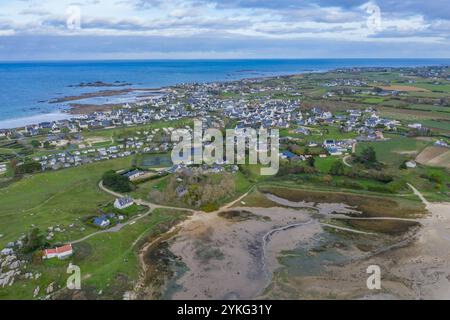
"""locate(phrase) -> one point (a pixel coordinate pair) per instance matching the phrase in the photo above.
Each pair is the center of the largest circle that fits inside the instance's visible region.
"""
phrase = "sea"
(27, 88)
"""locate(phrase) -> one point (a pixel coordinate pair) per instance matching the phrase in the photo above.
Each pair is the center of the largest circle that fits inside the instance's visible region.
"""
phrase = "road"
(152, 207)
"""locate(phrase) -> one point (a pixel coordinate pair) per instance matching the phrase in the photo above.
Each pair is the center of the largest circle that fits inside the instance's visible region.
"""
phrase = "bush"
(434, 177)
(28, 167)
(351, 185)
(337, 168)
(33, 241)
(368, 158)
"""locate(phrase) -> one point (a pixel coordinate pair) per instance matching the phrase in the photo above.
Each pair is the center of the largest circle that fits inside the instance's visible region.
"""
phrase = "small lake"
(156, 160)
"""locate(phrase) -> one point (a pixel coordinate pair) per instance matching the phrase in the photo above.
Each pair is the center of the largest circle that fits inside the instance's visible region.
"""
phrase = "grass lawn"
(394, 151)
(108, 261)
(54, 198)
(324, 164)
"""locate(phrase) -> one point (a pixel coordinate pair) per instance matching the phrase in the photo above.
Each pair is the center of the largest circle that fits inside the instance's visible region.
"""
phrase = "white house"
(122, 203)
(59, 252)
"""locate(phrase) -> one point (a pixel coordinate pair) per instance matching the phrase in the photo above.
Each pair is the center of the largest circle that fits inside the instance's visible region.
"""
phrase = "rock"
(7, 252)
(50, 288)
(36, 292)
(37, 276)
(10, 244)
(7, 278)
(1, 235)
(129, 295)
(14, 265)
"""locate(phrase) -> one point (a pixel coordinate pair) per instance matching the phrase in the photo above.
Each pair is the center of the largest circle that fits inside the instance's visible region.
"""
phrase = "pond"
(155, 160)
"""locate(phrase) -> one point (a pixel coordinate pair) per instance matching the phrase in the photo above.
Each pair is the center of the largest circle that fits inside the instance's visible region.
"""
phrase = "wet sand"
(240, 259)
(417, 267)
(244, 256)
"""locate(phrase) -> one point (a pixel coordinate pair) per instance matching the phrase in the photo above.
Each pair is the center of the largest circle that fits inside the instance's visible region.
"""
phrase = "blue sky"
(174, 29)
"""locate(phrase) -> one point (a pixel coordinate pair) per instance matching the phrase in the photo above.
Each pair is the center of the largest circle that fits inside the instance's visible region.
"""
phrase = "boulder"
(50, 288)
(36, 292)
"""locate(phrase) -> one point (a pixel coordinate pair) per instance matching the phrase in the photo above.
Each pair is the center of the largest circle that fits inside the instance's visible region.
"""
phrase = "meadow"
(55, 198)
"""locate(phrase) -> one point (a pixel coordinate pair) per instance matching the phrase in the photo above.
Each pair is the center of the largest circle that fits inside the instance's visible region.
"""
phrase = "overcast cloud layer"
(145, 29)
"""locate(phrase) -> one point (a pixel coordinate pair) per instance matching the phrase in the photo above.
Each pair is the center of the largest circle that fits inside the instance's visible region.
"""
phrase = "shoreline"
(34, 119)
(77, 104)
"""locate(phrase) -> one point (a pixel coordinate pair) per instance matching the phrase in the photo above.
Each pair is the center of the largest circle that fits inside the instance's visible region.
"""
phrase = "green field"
(108, 261)
(54, 198)
(395, 150)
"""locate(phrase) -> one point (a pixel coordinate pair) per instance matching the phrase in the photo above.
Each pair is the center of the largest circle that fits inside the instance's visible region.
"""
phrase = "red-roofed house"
(60, 252)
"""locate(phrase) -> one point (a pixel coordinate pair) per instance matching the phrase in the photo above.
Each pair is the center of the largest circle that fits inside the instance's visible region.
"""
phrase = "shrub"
(337, 168)
(117, 182)
(28, 167)
(368, 158)
(351, 185)
(376, 188)
(33, 241)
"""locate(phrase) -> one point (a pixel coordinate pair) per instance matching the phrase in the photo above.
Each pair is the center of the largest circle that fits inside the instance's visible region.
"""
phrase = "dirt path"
(120, 226)
(115, 228)
(344, 160)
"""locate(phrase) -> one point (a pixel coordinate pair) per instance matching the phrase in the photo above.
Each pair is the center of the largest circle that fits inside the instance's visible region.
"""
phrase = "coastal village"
(210, 104)
(120, 132)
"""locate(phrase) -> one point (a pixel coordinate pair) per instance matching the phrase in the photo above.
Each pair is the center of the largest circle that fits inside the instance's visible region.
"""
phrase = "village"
(137, 136)
(64, 143)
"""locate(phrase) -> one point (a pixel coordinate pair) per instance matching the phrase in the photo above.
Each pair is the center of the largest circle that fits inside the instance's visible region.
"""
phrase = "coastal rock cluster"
(9, 267)
(13, 268)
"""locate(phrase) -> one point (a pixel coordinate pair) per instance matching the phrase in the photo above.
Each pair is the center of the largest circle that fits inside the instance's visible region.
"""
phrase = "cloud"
(251, 23)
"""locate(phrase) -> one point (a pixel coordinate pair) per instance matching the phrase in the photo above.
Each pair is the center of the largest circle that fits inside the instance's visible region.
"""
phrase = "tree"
(337, 168)
(117, 182)
(368, 158)
(369, 155)
(33, 241)
(28, 167)
(311, 161)
(35, 143)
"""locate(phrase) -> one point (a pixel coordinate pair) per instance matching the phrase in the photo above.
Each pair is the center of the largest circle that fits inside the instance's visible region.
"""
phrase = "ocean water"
(27, 87)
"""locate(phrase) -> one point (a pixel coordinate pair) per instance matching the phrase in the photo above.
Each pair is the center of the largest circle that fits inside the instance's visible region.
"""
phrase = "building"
(102, 221)
(132, 175)
(59, 252)
(289, 155)
(411, 164)
(122, 203)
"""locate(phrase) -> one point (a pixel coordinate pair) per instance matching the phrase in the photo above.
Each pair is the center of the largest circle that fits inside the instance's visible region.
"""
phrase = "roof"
(124, 200)
(289, 154)
(59, 250)
(99, 220)
(131, 173)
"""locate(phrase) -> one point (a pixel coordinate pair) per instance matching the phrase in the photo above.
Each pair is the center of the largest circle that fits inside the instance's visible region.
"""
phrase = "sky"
(223, 29)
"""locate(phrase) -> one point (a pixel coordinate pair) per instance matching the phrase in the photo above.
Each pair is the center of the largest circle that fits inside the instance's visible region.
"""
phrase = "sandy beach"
(20, 122)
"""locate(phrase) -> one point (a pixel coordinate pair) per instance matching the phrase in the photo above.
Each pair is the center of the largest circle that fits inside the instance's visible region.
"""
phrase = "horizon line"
(210, 59)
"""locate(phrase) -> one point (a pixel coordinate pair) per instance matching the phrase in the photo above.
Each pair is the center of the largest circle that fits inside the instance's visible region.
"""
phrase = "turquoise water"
(27, 87)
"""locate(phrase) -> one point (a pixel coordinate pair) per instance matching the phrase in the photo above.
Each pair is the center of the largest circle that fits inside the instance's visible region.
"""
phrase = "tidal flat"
(308, 250)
